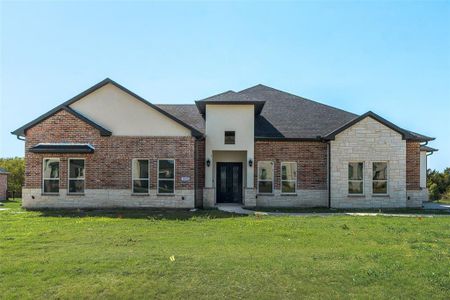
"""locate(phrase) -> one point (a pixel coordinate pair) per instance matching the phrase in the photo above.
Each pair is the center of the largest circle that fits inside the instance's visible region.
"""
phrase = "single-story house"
(108, 147)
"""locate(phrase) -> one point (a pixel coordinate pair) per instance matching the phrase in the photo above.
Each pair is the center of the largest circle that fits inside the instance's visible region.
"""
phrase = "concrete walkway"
(238, 209)
(438, 206)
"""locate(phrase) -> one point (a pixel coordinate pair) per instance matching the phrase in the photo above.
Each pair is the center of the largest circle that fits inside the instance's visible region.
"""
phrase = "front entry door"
(229, 182)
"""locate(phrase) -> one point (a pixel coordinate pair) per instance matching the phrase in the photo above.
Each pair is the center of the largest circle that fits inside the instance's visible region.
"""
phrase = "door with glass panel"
(229, 183)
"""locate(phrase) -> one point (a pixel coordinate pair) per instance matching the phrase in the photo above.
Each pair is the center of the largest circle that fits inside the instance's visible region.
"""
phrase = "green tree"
(16, 167)
(438, 184)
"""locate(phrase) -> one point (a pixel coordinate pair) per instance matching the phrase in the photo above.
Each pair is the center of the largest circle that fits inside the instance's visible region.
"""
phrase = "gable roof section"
(65, 105)
(230, 97)
(406, 134)
(289, 117)
(21, 131)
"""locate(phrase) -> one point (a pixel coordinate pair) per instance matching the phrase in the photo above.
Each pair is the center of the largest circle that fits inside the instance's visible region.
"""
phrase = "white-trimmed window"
(140, 176)
(379, 178)
(50, 175)
(356, 178)
(166, 176)
(76, 175)
(288, 177)
(265, 177)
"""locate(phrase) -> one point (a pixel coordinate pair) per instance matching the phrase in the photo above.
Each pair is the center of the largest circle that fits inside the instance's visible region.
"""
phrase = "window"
(379, 179)
(288, 177)
(265, 177)
(76, 176)
(166, 176)
(50, 175)
(140, 176)
(356, 178)
(230, 137)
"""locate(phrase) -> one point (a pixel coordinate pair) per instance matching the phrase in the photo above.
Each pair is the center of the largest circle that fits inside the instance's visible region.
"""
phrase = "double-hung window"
(76, 176)
(379, 179)
(356, 178)
(50, 175)
(166, 176)
(140, 176)
(265, 177)
(288, 177)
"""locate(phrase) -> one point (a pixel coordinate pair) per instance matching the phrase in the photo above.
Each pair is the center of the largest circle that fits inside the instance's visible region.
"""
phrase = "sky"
(390, 57)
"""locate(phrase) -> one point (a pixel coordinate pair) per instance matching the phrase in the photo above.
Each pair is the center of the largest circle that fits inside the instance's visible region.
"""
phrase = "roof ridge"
(302, 98)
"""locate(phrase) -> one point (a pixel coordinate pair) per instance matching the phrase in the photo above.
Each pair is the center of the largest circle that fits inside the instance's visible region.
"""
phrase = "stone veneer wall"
(368, 141)
(108, 169)
(311, 159)
(3, 186)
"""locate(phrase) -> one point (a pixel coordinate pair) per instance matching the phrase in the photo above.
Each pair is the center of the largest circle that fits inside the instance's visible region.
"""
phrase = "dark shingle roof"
(284, 115)
(427, 149)
(3, 171)
(289, 116)
(231, 97)
(187, 113)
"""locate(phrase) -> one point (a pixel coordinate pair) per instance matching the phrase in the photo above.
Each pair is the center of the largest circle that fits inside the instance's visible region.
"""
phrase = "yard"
(209, 254)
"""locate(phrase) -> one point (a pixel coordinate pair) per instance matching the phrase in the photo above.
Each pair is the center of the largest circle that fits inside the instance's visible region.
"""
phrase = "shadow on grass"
(150, 213)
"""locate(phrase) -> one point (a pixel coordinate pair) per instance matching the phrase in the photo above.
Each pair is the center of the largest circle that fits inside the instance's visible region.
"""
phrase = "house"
(108, 147)
(3, 184)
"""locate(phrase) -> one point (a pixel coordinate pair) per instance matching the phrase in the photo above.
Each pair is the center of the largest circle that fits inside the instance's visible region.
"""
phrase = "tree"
(438, 184)
(16, 167)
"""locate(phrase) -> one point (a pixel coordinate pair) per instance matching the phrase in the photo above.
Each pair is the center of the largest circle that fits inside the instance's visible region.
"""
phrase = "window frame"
(43, 178)
(258, 180)
(353, 180)
(68, 176)
(158, 179)
(225, 137)
(292, 180)
(133, 179)
(377, 180)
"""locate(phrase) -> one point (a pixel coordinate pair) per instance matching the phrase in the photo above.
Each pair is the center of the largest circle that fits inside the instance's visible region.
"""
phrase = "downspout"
(18, 137)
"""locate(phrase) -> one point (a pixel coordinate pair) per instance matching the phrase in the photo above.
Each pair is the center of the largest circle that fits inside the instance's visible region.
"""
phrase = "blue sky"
(389, 57)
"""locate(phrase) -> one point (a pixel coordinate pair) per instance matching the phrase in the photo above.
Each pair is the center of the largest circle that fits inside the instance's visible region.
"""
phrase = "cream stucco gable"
(125, 115)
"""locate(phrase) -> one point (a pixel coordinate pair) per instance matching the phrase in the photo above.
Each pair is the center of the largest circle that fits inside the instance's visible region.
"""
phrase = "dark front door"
(229, 182)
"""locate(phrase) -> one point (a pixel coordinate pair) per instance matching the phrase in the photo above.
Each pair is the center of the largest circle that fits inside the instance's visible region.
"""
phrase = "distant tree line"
(438, 184)
(16, 167)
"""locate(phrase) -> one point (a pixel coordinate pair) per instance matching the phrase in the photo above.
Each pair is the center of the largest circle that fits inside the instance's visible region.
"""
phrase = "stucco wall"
(423, 169)
(221, 118)
(368, 141)
(124, 115)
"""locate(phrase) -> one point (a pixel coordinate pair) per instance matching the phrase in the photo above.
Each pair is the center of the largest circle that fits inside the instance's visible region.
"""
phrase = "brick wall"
(311, 158)
(109, 167)
(3, 186)
(200, 166)
(412, 165)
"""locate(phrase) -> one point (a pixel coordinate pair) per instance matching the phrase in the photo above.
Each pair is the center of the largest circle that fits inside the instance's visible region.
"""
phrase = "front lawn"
(209, 254)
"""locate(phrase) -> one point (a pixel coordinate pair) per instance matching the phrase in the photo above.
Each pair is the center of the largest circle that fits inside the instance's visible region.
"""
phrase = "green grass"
(417, 211)
(125, 254)
(444, 201)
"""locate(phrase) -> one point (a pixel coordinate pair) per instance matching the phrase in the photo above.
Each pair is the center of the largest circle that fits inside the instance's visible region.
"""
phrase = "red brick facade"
(311, 158)
(109, 167)
(412, 165)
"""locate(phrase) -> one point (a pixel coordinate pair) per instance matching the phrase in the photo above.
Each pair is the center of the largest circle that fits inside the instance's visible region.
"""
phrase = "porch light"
(208, 162)
(250, 162)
